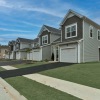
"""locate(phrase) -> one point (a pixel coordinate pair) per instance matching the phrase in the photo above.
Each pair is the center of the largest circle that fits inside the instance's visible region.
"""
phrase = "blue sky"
(24, 18)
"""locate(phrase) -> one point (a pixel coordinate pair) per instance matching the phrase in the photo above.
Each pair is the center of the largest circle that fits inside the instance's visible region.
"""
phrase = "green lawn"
(1, 69)
(86, 74)
(30, 65)
(36, 91)
(5, 60)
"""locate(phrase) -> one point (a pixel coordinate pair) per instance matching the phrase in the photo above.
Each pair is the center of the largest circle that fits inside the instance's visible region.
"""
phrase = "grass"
(86, 74)
(1, 69)
(5, 60)
(24, 65)
(36, 91)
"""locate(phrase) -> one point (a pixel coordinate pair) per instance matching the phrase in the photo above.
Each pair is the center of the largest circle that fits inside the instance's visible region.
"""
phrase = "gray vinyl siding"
(46, 53)
(91, 51)
(70, 21)
(81, 51)
(43, 34)
(53, 37)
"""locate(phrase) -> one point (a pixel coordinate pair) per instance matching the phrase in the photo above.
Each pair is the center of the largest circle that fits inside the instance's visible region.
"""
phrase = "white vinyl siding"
(71, 31)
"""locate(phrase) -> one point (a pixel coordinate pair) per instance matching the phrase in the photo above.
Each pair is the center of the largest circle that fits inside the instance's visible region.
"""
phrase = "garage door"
(37, 55)
(69, 55)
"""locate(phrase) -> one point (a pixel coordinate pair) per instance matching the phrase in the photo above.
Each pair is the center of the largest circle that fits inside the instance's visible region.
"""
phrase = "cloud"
(18, 35)
(13, 30)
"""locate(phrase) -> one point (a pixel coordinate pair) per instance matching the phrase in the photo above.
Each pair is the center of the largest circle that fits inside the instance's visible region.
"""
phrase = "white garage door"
(69, 55)
(37, 56)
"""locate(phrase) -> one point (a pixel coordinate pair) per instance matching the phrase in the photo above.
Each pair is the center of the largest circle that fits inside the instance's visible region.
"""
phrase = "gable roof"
(80, 16)
(25, 40)
(57, 40)
(36, 40)
(50, 29)
(11, 42)
(70, 11)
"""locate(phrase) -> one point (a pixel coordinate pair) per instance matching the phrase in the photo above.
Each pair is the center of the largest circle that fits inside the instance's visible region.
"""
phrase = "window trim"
(97, 34)
(42, 39)
(91, 27)
(70, 26)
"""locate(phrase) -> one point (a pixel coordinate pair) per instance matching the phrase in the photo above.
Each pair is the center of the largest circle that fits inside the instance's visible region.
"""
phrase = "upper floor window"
(98, 32)
(71, 31)
(91, 32)
(44, 39)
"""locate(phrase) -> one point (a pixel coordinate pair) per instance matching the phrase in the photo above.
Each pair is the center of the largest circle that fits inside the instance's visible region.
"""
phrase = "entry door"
(57, 54)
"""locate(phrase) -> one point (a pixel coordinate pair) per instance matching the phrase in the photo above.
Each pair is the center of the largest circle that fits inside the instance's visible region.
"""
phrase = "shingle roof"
(11, 42)
(58, 40)
(81, 16)
(25, 40)
(52, 29)
(36, 40)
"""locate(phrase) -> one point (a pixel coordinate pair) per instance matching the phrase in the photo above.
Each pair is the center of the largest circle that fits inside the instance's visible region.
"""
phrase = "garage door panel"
(69, 55)
(37, 55)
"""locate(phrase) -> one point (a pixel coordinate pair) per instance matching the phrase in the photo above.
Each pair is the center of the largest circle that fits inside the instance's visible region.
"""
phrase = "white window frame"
(68, 27)
(44, 37)
(91, 27)
(98, 34)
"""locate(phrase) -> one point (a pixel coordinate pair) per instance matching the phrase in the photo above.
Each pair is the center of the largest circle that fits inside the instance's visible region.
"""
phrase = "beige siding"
(91, 51)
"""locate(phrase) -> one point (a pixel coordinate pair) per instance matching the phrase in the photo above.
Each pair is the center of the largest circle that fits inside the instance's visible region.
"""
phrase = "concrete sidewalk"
(7, 92)
(77, 90)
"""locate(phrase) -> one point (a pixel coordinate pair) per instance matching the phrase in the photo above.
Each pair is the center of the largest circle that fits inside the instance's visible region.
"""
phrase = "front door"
(57, 54)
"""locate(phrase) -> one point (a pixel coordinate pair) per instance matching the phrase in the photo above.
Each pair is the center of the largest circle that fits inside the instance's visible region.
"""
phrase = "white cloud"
(13, 30)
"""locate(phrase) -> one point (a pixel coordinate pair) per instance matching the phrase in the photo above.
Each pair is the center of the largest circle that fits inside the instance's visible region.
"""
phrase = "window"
(98, 32)
(71, 31)
(91, 31)
(44, 39)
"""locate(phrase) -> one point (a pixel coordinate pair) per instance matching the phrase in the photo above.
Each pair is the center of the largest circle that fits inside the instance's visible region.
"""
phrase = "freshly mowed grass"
(36, 91)
(86, 74)
(6, 60)
(1, 69)
(24, 65)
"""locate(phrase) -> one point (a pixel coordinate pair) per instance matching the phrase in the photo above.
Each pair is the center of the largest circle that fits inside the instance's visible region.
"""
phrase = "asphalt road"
(4, 63)
(32, 69)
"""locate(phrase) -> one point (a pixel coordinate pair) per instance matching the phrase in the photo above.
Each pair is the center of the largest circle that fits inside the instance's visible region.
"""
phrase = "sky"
(24, 18)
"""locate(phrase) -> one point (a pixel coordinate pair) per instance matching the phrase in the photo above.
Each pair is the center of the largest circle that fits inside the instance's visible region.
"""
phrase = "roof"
(50, 29)
(80, 16)
(36, 40)
(57, 40)
(25, 40)
(11, 42)
(70, 11)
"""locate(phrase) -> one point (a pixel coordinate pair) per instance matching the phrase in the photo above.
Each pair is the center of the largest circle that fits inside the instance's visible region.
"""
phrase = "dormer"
(72, 26)
(48, 34)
